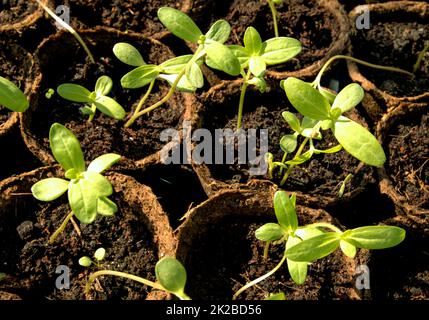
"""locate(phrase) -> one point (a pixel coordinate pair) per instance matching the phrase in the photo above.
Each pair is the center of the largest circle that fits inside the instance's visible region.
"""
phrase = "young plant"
(256, 55)
(12, 97)
(99, 256)
(309, 243)
(87, 189)
(272, 4)
(210, 51)
(170, 275)
(94, 100)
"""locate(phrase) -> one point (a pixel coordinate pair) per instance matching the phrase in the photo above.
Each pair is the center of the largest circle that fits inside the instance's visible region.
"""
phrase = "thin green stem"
(266, 250)
(69, 29)
(241, 102)
(420, 57)
(283, 161)
(317, 81)
(325, 225)
(274, 13)
(145, 97)
(290, 168)
(61, 228)
(256, 281)
(93, 109)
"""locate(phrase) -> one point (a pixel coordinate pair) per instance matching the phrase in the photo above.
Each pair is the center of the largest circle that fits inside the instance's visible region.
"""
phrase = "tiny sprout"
(88, 190)
(49, 93)
(276, 296)
(85, 261)
(97, 99)
(99, 254)
(343, 185)
(306, 244)
(12, 97)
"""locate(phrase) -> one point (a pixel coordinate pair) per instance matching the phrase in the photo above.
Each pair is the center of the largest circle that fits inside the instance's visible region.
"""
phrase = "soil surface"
(408, 159)
(228, 256)
(395, 44)
(136, 15)
(323, 174)
(303, 20)
(30, 262)
(105, 134)
(12, 11)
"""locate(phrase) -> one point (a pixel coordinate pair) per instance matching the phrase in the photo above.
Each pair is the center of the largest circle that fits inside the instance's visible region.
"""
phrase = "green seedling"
(183, 72)
(256, 55)
(12, 97)
(94, 100)
(99, 256)
(87, 189)
(49, 93)
(309, 243)
(272, 4)
(422, 53)
(276, 296)
(170, 274)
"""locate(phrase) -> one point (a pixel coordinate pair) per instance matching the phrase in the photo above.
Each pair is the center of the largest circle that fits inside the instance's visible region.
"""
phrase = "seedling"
(49, 93)
(12, 97)
(170, 275)
(420, 57)
(276, 296)
(210, 51)
(99, 256)
(273, 4)
(256, 55)
(309, 243)
(88, 190)
(94, 100)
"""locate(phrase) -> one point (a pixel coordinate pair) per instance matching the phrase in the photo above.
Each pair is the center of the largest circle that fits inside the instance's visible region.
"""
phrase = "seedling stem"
(242, 96)
(274, 13)
(290, 168)
(61, 228)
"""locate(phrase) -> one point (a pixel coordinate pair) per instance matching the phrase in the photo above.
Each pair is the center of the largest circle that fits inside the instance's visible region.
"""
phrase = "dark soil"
(395, 44)
(228, 256)
(104, 134)
(30, 262)
(303, 20)
(408, 159)
(136, 15)
(321, 175)
(14, 10)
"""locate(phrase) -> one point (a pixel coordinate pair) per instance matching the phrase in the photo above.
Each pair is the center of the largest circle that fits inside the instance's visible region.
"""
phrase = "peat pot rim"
(44, 154)
(133, 193)
(27, 21)
(416, 8)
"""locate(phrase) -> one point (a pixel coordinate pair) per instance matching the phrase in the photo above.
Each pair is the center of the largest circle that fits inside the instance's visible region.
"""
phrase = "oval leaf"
(128, 54)
(279, 50)
(219, 31)
(103, 162)
(221, 58)
(241, 54)
(171, 275)
(179, 24)
(100, 185)
(66, 148)
(375, 237)
(100, 254)
(83, 199)
(182, 86)
(291, 120)
(314, 248)
(297, 270)
(269, 232)
(12, 97)
(175, 65)
(349, 97)
(257, 66)
(110, 107)
(106, 207)
(104, 85)
(74, 92)
(285, 211)
(140, 77)
(288, 143)
(194, 75)
(252, 41)
(348, 249)
(359, 142)
(49, 189)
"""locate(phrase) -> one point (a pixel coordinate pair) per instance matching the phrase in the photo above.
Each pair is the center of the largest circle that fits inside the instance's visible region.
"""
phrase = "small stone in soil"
(25, 230)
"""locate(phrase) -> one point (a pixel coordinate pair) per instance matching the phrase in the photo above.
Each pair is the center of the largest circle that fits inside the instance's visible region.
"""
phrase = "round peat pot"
(61, 60)
(404, 178)
(136, 15)
(17, 66)
(396, 38)
(316, 182)
(320, 25)
(218, 247)
(18, 15)
(134, 238)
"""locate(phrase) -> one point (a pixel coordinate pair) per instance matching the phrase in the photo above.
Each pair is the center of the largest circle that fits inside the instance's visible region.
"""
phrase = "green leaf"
(252, 41)
(375, 237)
(85, 261)
(99, 254)
(219, 31)
(72, 174)
(349, 97)
(49, 189)
(180, 24)
(288, 143)
(269, 232)
(276, 296)
(359, 142)
(285, 211)
(279, 50)
(348, 249)
(257, 66)
(103, 162)
(335, 113)
(171, 275)
(330, 150)
(292, 121)
(297, 270)
(307, 100)
(66, 148)
(260, 83)
(83, 199)
(110, 107)
(103, 86)
(314, 248)
(241, 54)
(12, 97)
(327, 94)
(302, 158)
(194, 75)
(128, 54)
(106, 207)
(140, 77)
(182, 86)
(219, 57)
(175, 65)
(307, 128)
(99, 184)
(306, 233)
(74, 92)
(86, 110)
